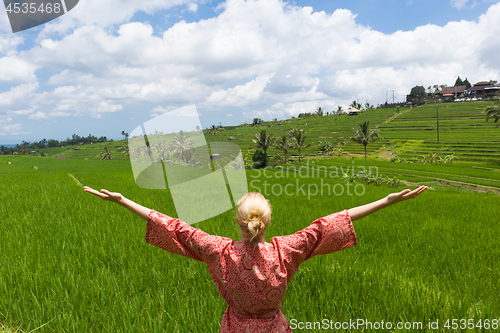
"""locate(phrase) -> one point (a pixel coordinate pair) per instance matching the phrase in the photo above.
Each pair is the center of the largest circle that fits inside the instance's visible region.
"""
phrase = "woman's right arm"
(134, 207)
(365, 210)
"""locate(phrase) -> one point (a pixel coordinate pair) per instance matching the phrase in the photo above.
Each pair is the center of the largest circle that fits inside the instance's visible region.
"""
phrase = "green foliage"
(298, 140)
(263, 140)
(257, 121)
(260, 159)
(418, 93)
(325, 146)
(364, 135)
(284, 143)
(467, 83)
(493, 111)
(106, 154)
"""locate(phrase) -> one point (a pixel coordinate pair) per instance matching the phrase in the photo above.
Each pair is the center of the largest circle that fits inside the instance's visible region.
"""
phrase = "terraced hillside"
(408, 133)
(462, 130)
(335, 129)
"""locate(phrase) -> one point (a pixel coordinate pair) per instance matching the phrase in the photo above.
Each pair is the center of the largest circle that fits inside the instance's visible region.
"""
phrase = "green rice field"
(70, 262)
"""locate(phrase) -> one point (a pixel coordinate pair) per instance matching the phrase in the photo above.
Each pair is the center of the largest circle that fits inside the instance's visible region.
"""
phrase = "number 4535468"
(32, 8)
(471, 324)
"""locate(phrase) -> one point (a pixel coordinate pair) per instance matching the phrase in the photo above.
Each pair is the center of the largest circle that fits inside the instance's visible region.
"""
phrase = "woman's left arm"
(135, 208)
(365, 210)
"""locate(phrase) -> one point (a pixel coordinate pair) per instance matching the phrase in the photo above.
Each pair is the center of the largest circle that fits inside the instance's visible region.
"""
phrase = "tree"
(467, 83)
(458, 82)
(493, 111)
(182, 147)
(259, 159)
(214, 130)
(319, 112)
(256, 121)
(263, 141)
(368, 106)
(364, 135)
(418, 93)
(299, 140)
(284, 143)
(356, 105)
(105, 154)
(340, 110)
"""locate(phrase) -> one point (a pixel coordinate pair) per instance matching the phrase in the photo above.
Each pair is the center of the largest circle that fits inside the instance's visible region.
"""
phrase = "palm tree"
(106, 154)
(356, 105)
(340, 110)
(319, 112)
(493, 111)
(364, 135)
(263, 141)
(214, 130)
(284, 143)
(182, 147)
(299, 140)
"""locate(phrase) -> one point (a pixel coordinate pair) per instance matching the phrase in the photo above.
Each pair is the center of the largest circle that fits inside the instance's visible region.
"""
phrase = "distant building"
(453, 91)
(353, 112)
(484, 88)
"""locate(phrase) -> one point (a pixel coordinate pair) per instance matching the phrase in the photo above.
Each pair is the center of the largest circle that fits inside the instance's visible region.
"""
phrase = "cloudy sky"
(110, 65)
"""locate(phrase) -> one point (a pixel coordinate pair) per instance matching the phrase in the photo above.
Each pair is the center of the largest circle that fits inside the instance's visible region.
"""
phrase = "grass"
(75, 263)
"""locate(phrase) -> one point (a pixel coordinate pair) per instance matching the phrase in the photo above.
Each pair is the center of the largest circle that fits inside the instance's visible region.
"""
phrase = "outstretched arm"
(135, 208)
(362, 211)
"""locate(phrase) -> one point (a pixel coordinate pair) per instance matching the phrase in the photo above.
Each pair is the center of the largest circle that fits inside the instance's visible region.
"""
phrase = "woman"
(252, 275)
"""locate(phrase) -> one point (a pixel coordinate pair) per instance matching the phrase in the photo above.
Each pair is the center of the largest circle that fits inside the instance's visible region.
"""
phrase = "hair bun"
(253, 215)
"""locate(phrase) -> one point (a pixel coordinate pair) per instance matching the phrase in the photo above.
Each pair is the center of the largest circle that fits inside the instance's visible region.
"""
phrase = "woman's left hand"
(405, 195)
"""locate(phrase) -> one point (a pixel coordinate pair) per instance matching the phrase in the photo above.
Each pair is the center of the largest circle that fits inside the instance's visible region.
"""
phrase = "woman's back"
(252, 278)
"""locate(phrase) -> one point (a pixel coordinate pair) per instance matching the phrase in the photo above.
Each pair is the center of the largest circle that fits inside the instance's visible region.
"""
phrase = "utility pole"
(437, 123)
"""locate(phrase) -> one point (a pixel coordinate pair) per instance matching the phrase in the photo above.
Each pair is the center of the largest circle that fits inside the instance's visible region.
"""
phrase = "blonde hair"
(254, 213)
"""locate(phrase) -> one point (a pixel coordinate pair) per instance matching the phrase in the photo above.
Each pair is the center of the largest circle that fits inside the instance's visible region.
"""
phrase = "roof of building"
(453, 90)
(482, 83)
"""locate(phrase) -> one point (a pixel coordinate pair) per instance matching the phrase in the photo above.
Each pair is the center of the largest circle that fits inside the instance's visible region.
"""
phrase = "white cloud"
(459, 4)
(14, 70)
(18, 96)
(192, 7)
(108, 13)
(38, 116)
(8, 128)
(241, 95)
(265, 56)
(104, 107)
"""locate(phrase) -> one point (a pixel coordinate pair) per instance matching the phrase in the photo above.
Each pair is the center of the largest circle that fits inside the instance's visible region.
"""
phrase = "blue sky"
(108, 66)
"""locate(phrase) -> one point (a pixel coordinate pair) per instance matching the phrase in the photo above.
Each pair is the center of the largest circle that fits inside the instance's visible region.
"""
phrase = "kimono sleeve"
(178, 237)
(328, 234)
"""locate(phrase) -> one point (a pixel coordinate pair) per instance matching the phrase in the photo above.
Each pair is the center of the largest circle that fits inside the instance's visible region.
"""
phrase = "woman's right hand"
(105, 194)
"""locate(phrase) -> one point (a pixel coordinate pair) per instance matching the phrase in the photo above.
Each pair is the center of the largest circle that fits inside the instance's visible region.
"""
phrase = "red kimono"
(252, 279)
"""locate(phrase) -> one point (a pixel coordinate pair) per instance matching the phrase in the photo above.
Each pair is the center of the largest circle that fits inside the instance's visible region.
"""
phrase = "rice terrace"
(71, 263)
